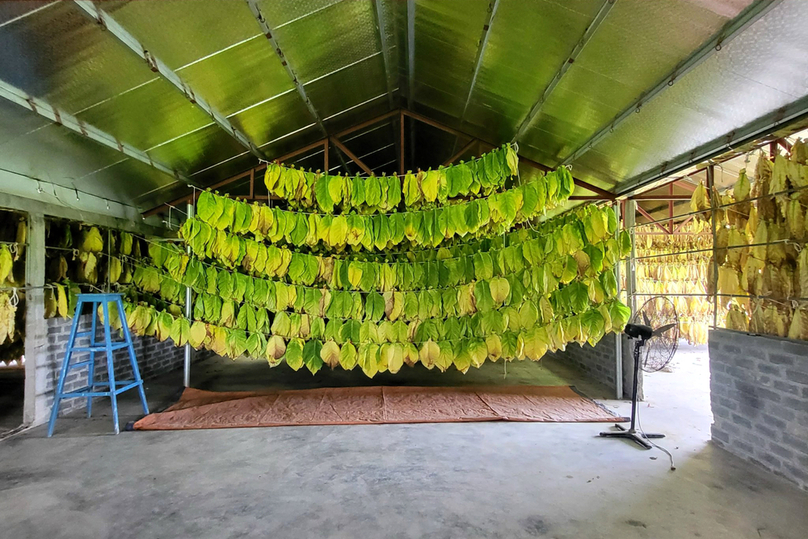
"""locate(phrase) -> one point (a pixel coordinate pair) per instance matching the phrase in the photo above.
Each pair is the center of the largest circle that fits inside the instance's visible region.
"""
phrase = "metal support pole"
(618, 341)
(670, 207)
(189, 352)
(631, 265)
(710, 184)
(401, 146)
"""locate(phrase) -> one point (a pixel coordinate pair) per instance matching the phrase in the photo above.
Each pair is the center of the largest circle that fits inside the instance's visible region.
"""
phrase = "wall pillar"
(36, 331)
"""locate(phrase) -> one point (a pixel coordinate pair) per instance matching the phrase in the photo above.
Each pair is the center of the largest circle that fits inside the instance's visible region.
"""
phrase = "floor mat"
(199, 409)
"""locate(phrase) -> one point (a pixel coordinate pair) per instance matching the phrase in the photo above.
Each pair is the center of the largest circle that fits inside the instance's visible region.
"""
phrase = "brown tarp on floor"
(199, 409)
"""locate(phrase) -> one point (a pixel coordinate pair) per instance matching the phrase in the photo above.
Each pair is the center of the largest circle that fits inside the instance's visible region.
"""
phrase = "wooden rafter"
(460, 153)
(651, 219)
(336, 142)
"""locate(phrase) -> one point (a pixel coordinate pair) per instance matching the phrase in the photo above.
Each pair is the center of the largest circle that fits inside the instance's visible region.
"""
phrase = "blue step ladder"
(97, 388)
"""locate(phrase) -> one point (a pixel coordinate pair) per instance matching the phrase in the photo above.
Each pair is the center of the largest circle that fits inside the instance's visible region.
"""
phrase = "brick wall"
(759, 394)
(154, 358)
(599, 362)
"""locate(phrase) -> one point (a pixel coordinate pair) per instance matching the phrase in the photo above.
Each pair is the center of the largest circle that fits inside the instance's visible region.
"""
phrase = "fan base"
(631, 434)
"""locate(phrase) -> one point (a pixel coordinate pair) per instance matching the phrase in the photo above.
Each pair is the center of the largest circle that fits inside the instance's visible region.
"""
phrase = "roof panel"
(239, 77)
(348, 87)
(198, 149)
(697, 109)
(528, 42)
(326, 40)
(182, 31)
(447, 34)
(636, 45)
(276, 117)
(344, 119)
(284, 12)
(14, 10)
(61, 56)
(15, 121)
(128, 180)
(56, 154)
(148, 115)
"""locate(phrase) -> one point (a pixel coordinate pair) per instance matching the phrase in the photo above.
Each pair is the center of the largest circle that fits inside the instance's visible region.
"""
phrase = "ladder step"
(79, 364)
(101, 348)
(88, 391)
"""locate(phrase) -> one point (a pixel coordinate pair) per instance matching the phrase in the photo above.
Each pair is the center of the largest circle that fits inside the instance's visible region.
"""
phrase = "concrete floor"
(465, 480)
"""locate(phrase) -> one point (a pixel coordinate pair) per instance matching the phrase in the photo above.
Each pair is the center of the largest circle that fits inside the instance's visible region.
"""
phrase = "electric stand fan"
(656, 328)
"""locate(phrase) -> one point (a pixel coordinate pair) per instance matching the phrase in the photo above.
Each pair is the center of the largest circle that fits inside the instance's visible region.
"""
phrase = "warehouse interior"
(404, 242)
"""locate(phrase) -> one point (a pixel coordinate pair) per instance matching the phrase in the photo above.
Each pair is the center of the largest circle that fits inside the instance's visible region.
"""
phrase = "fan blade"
(645, 319)
(663, 329)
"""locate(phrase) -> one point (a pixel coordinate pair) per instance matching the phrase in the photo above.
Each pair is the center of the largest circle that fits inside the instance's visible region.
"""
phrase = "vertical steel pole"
(710, 184)
(618, 341)
(629, 218)
(670, 208)
(631, 283)
(401, 148)
(186, 375)
(325, 156)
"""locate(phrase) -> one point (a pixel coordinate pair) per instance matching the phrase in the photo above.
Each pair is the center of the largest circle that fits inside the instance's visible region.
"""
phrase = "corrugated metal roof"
(479, 66)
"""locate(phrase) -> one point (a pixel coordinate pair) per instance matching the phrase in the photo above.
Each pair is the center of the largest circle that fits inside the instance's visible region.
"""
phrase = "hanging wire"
(728, 205)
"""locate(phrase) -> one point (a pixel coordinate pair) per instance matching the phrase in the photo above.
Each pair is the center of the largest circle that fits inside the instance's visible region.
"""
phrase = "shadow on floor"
(12, 390)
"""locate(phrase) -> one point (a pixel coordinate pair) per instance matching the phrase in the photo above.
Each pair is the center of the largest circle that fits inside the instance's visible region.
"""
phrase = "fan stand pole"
(631, 433)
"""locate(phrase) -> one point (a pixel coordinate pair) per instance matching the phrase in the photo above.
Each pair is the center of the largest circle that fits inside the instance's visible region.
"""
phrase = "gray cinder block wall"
(759, 394)
(599, 362)
(154, 358)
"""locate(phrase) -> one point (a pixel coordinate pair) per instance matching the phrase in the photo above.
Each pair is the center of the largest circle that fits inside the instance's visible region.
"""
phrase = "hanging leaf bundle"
(763, 266)
(447, 283)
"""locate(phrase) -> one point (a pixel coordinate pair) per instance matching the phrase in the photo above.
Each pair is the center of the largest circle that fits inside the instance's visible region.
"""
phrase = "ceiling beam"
(105, 21)
(568, 61)
(46, 110)
(732, 29)
(377, 7)
(267, 30)
(661, 197)
(410, 53)
(478, 62)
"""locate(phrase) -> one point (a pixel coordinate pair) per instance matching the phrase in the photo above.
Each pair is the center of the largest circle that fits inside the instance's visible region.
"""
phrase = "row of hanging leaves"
(85, 256)
(483, 217)
(557, 251)
(13, 232)
(374, 194)
(761, 231)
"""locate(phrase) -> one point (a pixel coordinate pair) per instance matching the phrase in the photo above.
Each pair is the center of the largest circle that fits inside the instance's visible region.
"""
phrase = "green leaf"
(294, 354)
(311, 356)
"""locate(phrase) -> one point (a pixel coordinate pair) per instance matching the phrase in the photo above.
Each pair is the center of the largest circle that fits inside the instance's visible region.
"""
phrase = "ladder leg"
(132, 359)
(91, 366)
(60, 386)
(113, 397)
